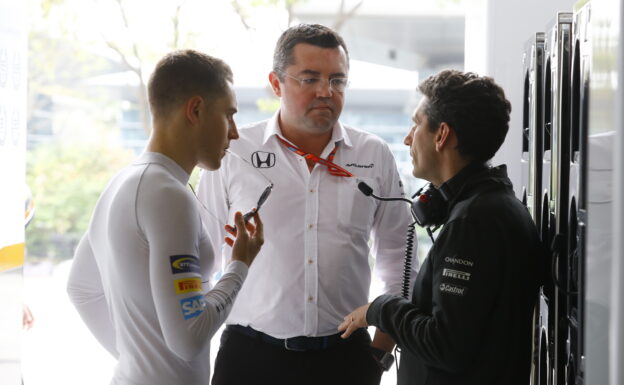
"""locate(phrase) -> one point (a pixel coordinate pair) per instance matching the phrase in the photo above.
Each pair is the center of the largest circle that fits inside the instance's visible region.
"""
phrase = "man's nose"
(233, 132)
(323, 89)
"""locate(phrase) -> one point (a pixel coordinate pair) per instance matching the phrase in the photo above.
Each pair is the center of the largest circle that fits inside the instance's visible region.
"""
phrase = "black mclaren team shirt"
(469, 319)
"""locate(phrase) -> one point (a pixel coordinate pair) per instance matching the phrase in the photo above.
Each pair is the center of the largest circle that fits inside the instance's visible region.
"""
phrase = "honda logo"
(261, 159)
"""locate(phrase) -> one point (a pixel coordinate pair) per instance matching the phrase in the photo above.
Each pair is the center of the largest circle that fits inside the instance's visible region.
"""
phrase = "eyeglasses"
(263, 197)
(311, 83)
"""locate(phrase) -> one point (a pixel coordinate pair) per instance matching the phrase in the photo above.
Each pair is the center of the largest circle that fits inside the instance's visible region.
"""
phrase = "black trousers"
(246, 360)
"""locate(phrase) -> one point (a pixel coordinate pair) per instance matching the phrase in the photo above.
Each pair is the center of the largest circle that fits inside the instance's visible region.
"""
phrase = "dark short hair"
(314, 34)
(475, 108)
(182, 74)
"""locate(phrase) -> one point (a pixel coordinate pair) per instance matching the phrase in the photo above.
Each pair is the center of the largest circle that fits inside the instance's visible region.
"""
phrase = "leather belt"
(302, 343)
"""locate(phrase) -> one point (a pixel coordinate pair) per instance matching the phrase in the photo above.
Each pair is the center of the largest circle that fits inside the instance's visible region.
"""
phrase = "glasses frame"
(311, 82)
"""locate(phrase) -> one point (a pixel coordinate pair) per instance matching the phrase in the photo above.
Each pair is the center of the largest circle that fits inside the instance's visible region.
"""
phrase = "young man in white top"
(140, 277)
(284, 328)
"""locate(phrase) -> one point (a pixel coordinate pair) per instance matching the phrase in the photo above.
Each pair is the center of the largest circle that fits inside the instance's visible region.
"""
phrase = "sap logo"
(192, 307)
(456, 274)
(187, 285)
(261, 159)
(453, 289)
(184, 264)
(458, 261)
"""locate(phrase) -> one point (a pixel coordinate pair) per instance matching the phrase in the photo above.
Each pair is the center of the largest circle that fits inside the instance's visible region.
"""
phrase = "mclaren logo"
(370, 165)
(261, 159)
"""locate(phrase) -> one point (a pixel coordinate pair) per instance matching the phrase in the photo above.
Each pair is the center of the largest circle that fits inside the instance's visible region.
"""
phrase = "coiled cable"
(407, 262)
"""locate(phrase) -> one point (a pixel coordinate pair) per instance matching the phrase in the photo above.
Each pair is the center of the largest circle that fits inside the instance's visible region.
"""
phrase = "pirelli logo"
(456, 274)
(187, 285)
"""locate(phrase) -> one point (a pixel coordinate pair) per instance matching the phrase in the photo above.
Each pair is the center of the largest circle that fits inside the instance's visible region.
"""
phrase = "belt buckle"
(291, 348)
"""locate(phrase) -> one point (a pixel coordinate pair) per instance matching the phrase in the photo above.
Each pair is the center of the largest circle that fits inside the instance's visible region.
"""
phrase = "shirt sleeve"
(464, 284)
(188, 317)
(86, 292)
(389, 230)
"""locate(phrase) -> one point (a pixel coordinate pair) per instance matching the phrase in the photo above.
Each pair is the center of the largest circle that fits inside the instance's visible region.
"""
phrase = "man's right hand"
(248, 242)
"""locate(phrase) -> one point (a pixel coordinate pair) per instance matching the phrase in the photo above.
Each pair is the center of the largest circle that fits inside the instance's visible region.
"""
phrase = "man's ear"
(275, 84)
(443, 136)
(192, 109)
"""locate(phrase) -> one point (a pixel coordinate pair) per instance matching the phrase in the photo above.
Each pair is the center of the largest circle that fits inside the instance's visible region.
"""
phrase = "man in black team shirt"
(469, 318)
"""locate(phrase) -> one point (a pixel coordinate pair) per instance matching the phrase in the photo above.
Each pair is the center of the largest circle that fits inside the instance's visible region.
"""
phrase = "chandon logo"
(458, 261)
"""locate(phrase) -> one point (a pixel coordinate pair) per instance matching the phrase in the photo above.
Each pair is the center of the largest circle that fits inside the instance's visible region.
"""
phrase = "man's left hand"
(355, 320)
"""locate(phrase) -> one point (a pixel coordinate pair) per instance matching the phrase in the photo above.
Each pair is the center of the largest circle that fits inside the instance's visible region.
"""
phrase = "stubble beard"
(318, 125)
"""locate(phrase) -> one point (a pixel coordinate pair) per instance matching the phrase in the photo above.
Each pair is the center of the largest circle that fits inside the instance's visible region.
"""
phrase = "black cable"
(430, 231)
(407, 262)
(391, 199)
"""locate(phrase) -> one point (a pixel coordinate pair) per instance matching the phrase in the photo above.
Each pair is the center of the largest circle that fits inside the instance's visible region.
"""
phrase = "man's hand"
(248, 241)
(355, 320)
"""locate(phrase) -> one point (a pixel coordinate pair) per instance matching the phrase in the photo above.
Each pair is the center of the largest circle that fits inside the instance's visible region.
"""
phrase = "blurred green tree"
(66, 180)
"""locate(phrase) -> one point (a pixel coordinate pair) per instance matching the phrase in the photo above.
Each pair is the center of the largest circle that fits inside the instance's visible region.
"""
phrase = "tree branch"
(342, 17)
(176, 26)
(241, 13)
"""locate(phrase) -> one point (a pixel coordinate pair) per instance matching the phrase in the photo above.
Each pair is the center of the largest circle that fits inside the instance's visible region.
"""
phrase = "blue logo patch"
(184, 264)
(192, 307)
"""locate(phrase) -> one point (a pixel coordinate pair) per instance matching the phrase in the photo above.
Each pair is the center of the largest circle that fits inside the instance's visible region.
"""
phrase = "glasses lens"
(339, 84)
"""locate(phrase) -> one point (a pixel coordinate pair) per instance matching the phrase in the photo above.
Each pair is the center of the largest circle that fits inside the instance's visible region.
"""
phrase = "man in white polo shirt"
(138, 275)
(314, 265)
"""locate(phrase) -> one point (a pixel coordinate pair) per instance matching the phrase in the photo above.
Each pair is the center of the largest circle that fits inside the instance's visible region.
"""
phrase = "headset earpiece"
(429, 206)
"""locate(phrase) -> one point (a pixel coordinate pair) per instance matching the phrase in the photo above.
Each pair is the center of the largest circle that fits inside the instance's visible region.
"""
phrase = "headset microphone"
(409, 244)
(368, 191)
(429, 208)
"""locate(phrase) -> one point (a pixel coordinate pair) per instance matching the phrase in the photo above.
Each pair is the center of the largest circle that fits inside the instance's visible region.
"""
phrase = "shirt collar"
(339, 133)
(156, 157)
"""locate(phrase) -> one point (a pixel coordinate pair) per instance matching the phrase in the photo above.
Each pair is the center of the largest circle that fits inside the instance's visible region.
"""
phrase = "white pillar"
(496, 33)
(616, 348)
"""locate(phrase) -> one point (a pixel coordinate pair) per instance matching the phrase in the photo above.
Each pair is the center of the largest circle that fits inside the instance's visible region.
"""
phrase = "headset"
(429, 208)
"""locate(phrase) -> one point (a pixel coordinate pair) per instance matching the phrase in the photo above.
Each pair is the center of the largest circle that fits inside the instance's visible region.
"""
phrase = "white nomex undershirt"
(140, 273)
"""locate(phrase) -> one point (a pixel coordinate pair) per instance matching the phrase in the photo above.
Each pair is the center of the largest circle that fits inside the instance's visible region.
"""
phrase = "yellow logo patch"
(187, 285)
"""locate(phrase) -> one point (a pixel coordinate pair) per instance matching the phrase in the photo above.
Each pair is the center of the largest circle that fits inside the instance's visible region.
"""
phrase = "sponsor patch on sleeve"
(187, 285)
(192, 307)
(184, 264)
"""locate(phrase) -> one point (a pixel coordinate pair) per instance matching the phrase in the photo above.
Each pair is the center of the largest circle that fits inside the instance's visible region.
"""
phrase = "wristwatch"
(384, 359)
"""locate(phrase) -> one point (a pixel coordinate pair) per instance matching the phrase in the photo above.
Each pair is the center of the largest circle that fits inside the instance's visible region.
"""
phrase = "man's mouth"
(322, 107)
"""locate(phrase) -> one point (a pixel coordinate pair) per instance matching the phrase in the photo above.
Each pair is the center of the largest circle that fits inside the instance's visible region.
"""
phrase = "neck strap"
(333, 168)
